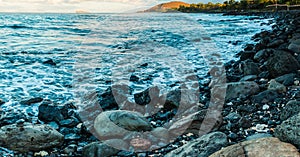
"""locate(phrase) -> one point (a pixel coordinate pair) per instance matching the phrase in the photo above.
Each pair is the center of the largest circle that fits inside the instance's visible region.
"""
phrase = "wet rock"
(247, 55)
(12, 117)
(52, 112)
(295, 46)
(2, 102)
(70, 149)
(289, 130)
(281, 62)
(258, 147)
(241, 89)
(70, 122)
(120, 122)
(203, 146)
(290, 109)
(265, 96)
(114, 97)
(276, 43)
(287, 79)
(262, 54)
(248, 78)
(142, 98)
(49, 62)
(249, 67)
(29, 137)
(97, 149)
(273, 85)
(32, 101)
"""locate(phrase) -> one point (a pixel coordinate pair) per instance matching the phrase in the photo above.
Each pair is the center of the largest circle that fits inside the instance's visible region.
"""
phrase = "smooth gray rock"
(290, 109)
(241, 89)
(29, 137)
(203, 146)
(97, 149)
(289, 130)
(282, 62)
(120, 122)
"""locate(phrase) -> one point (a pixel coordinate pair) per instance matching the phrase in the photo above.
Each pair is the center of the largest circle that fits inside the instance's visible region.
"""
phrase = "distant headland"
(229, 6)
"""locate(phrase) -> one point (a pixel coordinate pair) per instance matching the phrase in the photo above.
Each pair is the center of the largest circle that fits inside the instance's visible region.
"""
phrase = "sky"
(95, 6)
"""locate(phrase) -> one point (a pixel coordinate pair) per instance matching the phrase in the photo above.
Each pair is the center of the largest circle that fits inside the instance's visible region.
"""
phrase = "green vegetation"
(232, 5)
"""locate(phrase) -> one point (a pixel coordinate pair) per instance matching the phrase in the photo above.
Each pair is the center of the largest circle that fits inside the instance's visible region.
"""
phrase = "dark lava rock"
(97, 149)
(287, 79)
(134, 78)
(295, 46)
(12, 117)
(262, 54)
(2, 102)
(52, 112)
(289, 130)
(142, 98)
(49, 62)
(282, 62)
(290, 109)
(276, 43)
(32, 101)
(247, 55)
(249, 67)
(203, 146)
(114, 97)
(265, 96)
(241, 89)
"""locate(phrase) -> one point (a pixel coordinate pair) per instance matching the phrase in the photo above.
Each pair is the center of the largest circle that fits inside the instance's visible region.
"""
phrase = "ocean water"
(93, 51)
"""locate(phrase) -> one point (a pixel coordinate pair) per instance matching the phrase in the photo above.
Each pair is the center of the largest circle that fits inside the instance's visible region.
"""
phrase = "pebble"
(265, 107)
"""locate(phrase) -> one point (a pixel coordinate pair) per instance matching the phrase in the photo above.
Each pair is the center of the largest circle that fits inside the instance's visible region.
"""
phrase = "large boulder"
(241, 89)
(29, 137)
(281, 62)
(289, 130)
(267, 147)
(203, 146)
(120, 122)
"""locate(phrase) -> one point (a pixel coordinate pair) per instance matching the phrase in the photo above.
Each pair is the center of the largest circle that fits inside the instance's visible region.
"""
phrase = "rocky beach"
(250, 106)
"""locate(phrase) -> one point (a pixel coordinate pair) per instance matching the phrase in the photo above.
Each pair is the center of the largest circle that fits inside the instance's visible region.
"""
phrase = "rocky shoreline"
(261, 113)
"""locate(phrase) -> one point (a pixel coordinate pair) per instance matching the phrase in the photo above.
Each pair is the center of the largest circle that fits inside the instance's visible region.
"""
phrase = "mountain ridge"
(167, 7)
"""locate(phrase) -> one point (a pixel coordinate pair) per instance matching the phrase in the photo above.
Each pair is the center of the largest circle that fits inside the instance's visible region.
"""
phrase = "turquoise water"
(110, 48)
